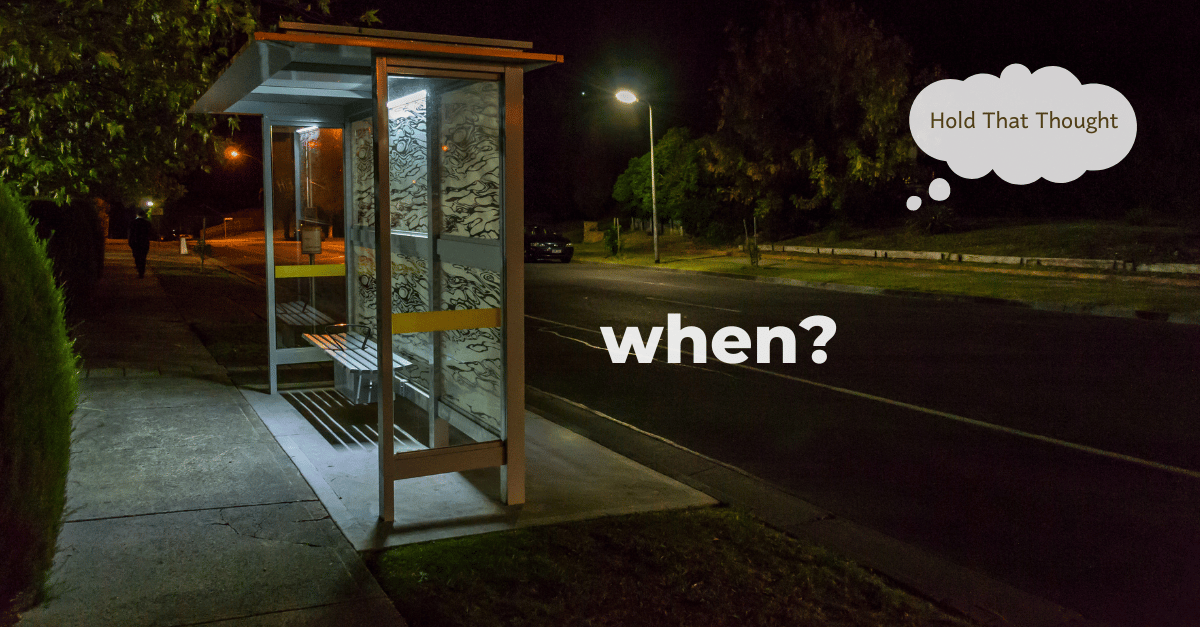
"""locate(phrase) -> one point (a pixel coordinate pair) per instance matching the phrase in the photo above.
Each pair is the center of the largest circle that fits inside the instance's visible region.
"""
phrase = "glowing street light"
(233, 154)
(628, 97)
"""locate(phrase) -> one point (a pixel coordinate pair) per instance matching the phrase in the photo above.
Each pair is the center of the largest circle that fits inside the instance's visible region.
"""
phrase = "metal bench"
(299, 314)
(355, 358)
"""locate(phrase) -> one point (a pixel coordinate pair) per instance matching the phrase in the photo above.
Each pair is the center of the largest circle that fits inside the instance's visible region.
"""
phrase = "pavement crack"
(256, 529)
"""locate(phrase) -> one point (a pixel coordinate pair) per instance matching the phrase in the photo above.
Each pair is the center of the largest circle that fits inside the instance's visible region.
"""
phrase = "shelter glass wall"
(307, 193)
(444, 161)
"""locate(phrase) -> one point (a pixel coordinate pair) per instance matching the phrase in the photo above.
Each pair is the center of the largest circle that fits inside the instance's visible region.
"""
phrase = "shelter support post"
(512, 474)
(383, 301)
(268, 228)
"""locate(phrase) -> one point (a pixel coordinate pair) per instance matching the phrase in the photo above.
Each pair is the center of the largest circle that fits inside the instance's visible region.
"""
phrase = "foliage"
(94, 94)
(687, 191)
(813, 115)
(678, 174)
(38, 392)
(612, 239)
(75, 244)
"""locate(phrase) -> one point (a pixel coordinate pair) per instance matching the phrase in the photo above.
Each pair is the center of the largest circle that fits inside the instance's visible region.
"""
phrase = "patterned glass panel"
(472, 359)
(470, 132)
(363, 175)
(448, 188)
(408, 158)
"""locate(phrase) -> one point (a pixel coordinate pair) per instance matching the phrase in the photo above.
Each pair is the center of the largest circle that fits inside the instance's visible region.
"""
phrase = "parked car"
(544, 243)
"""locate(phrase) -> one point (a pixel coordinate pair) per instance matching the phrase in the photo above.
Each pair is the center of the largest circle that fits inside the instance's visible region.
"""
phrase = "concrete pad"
(139, 392)
(149, 460)
(201, 566)
(143, 340)
(568, 478)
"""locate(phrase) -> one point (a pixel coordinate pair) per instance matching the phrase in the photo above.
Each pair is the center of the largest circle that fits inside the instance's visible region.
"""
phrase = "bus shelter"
(410, 147)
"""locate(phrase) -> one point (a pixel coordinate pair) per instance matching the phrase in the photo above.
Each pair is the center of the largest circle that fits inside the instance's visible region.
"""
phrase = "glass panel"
(283, 180)
(408, 159)
(363, 175)
(322, 200)
(307, 304)
(472, 364)
(470, 135)
(444, 177)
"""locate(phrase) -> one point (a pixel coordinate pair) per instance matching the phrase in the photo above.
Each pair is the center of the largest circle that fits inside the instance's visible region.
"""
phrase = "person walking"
(139, 242)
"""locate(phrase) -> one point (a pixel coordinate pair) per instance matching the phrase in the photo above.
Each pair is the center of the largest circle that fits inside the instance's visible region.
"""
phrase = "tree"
(813, 115)
(94, 94)
(677, 177)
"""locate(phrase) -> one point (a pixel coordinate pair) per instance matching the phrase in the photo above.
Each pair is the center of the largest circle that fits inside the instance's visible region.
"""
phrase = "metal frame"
(318, 75)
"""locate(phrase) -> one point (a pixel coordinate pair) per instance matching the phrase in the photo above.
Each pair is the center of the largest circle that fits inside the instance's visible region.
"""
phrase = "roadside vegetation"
(712, 566)
(1079, 239)
(1077, 289)
(38, 394)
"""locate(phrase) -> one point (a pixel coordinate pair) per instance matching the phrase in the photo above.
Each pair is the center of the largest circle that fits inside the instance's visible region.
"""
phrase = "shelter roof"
(318, 72)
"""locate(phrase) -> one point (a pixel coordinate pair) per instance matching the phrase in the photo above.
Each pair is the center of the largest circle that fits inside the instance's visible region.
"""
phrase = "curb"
(1081, 309)
(972, 594)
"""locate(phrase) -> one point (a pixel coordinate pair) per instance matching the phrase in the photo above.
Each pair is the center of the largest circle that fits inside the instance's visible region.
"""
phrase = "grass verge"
(712, 566)
(1078, 240)
(1080, 289)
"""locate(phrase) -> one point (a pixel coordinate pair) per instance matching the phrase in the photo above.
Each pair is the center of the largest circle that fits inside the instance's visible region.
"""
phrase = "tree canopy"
(678, 173)
(813, 114)
(94, 93)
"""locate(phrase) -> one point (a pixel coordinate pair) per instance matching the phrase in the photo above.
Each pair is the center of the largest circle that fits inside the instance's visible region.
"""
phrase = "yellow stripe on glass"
(448, 320)
(299, 271)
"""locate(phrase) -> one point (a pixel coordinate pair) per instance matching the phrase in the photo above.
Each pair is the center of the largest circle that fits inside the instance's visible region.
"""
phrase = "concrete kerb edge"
(973, 594)
(1082, 309)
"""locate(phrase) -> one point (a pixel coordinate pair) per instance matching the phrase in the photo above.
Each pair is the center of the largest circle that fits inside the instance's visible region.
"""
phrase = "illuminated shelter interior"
(409, 146)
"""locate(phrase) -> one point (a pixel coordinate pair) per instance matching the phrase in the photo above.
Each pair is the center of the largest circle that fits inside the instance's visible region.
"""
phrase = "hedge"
(38, 394)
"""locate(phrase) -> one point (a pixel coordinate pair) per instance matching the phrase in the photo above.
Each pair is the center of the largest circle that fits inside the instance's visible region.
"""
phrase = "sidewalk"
(182, 508)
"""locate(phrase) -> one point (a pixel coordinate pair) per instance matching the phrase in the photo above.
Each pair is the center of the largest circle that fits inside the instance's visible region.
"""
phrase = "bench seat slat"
(348, 351)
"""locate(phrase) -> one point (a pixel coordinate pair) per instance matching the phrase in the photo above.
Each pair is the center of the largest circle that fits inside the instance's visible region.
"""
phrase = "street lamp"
(234, 154)
(628, 97)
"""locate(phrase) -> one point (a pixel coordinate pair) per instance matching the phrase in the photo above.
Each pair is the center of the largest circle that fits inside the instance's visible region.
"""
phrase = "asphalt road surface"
(1058, 453)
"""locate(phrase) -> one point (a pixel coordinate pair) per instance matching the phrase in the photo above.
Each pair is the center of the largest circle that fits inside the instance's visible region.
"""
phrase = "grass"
(1076, 240)
(1171, 295)
(712, 566)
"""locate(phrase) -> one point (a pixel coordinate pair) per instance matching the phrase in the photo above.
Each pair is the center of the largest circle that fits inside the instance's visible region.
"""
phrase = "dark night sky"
(579, 138)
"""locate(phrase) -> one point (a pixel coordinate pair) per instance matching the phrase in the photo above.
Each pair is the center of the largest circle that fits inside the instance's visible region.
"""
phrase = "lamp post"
(628, 97)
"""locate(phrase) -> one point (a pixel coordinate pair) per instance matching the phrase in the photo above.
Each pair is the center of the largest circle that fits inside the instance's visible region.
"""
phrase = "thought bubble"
(1023, 126)
(939, 190)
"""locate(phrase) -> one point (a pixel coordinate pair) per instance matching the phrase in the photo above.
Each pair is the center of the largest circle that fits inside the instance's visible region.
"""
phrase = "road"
(1057, 453)
(956, 427)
